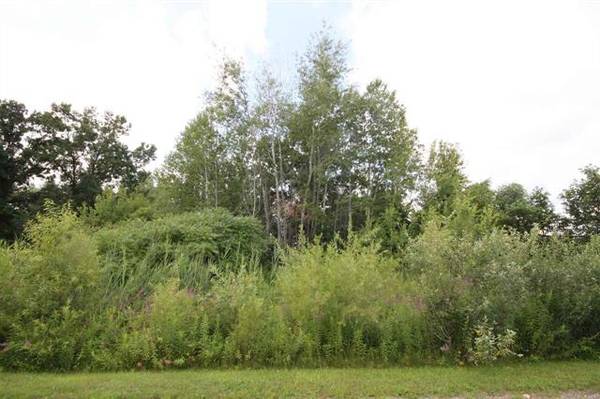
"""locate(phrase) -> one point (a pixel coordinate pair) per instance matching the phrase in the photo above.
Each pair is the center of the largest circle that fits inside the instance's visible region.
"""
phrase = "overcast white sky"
(515, 83)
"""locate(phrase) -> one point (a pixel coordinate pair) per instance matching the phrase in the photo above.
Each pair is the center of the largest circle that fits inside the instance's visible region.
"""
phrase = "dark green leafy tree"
(521, 211)
(85, 152)
(543, 210)
(582, 203)
(481, 194)
(512, 204)
(73, 155)
(19, 162)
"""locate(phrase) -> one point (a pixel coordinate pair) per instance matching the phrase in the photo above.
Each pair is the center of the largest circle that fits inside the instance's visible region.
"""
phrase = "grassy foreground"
(548, 378)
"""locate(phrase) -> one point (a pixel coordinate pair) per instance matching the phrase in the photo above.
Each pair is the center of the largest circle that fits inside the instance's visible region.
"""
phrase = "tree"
(191, 172)
(382, 153)
(18, 164)
(324, 159)
(474, 212)
(514, 210)
(542, 210)
(228, 111)
(74, 154)
(315, 134)
(444, 179)
(213, 162)
(481, 194)
(521, 211)
(270, 119)
(84, 152)
(582, 203)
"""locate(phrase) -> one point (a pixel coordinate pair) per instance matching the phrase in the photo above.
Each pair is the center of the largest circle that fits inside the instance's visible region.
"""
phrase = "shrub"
(163, 333)
(51, 284)
(338, 302)
(560, 318)
(240, 309)
(543, 289)
(139, 254)
(191, 291)
(210, 235)
(111, 208)
(488, 346)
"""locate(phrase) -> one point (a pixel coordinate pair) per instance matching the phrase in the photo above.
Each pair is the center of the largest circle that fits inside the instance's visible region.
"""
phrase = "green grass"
(548, 378)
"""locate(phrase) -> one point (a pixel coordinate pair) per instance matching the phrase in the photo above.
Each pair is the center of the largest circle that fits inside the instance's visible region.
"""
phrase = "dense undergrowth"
(208, 289)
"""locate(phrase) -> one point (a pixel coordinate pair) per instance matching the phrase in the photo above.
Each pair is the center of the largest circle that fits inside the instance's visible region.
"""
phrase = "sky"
(515, 83)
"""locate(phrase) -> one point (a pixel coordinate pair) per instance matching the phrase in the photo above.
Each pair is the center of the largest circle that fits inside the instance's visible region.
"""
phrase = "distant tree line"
(328, 156)
(324, 159)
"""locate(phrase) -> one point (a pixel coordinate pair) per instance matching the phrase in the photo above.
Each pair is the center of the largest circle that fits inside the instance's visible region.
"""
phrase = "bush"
(543, 289)
(111, 208)
(489, 347)
(346, 304)
(210, 235)
(561, 313)
(50, 287)
(245, 313)
(139, 254)
(141, 294)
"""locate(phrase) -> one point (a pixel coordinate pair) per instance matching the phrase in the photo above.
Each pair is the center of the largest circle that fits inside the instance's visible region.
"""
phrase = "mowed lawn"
(548, 379)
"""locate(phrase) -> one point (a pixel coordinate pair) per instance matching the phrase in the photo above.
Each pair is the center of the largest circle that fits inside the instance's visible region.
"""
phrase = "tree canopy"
(582, 203)
(73, 155)
(320, 158)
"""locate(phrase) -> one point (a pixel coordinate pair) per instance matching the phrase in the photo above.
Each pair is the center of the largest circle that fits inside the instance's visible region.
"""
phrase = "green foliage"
(325, 157)
(488, 346)
(392, 230)
(213, 164)
(19, 162)
(348, 304)
(84, 150)
(77, 153)
(138, 254)
(444, 178)
(543, 290)
(111, 208)
(467, 219)
(251, 321)
(163, 334)
(382, 257)
(141, 295)
(521, 211)
(50, 286)
(209, 235)
(582, 203)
